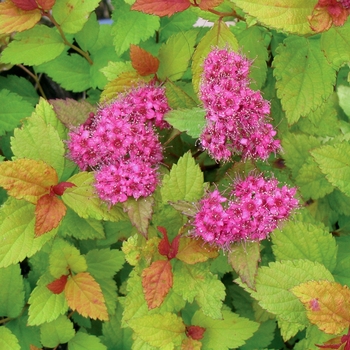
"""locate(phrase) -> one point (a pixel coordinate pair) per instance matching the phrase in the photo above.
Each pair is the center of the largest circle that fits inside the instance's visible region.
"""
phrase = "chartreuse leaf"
(273, 284)
(190, 120)
(71, 15)
(11, 296)
(27, 178)
(65, 258)
(84, 201)
(185, 181)
(27, 335)
(45, 306)
(327, 304)
(195, 282)
(131, 27)
(296, 147)
(344, 98)
(244, 258)
(287, 15)
(20, 86)
(299, 240)
(333, 161)
(34, 46)
(254, 42)
(114, 69)
(335, 43)
(77, 227)
(311, 182)
(83, 341)
(219, 35)
(175, 54)
(304, 77)
(229, 332)
(8, 340)
(17, 232)
(56, 332)
(13, 109)
(84, 295)
(72, 72)
(164, 331)
(40, 141)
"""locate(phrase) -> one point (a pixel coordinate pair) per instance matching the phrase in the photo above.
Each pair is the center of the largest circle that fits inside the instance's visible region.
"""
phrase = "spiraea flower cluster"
(255, 208)
(236, 115)
(120, 143)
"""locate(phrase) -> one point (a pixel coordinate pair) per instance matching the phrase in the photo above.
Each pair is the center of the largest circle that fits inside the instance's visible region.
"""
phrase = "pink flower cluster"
(255, 208)
(121, 145)
(236, 115)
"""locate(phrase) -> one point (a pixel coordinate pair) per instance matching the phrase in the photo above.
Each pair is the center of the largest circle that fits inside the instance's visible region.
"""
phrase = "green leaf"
(84, 201)
(88, 35)
(339, 202)
(17, 232)
(34, 46)
(335, 43)
(8, 340)
(219, 35)
(20, 86)
(341, 272)
(254, 42)
(13, 109)
(71, 15)
(83, 341)
(304, 77)
(262, 338)
(298, 240)
(26, 335)
(333, 161)
(185, 181)
(131, 27)
(162, 331)
(45, 306)
(175, 55)
(177, 97)
(11, 296)
(229, 332)
(79, 228)
(313, 336)
(104, 263)
(312, 182)
(344, 98)
(57, 332)
(39, 141)
(190, 120)
(290, 17)
(140, 212)
(274, 282)
(195, 282)
(72, 72)
(64, 258)
(296, 150)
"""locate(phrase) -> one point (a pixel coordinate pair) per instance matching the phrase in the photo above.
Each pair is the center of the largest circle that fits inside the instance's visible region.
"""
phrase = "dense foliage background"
(79, 272)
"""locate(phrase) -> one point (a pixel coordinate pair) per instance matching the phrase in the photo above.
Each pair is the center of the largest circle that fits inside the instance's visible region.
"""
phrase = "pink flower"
(236, 115)
(121, 144)
(255, 208)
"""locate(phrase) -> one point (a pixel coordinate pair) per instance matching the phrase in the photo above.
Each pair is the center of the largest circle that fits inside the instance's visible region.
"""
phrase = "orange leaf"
(27, 178)
(33, 347)
(191, 344)
(193, 251)
(142, 61)
(161, 7)
(209, 4)
(84, 295)
(13, 19)
(26, 5)
(157, 281)
(57, 286)
(195, 332)
(327, 304)
(49, 212)
(46, 4)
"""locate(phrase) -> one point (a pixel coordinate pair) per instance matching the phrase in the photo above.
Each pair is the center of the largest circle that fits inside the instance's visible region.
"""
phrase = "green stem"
(72, 46)
(4, 320)
(36, 79)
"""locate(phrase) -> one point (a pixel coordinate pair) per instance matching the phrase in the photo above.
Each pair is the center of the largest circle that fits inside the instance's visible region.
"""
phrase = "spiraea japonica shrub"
(169, 185)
